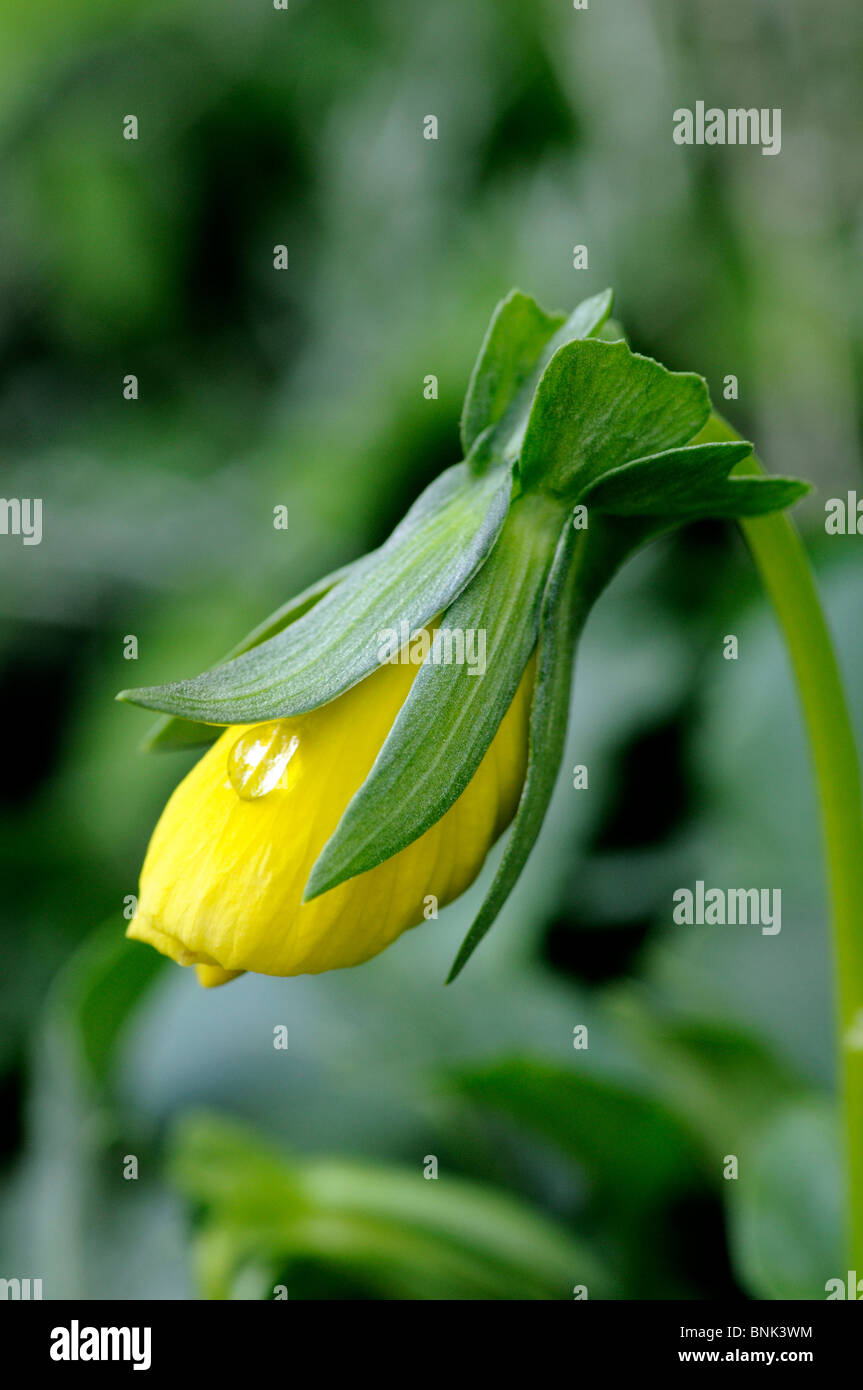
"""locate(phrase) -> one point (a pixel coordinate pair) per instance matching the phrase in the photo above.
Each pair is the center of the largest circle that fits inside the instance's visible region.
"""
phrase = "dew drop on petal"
(258, 759)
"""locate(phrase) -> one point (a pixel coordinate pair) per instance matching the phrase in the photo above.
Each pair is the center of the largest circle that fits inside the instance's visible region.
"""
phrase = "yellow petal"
(224, 875)
(210, 976)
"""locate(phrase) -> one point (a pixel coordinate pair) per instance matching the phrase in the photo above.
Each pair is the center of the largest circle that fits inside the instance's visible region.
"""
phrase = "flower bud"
(223, 880)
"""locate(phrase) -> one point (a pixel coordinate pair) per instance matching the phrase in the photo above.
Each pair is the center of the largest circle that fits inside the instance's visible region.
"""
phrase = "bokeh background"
(557, 1167)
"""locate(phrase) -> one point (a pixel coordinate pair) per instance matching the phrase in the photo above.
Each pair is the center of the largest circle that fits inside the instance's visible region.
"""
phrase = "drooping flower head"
(376, 735)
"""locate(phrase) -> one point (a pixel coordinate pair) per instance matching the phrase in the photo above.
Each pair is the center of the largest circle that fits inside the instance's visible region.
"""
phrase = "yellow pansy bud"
(223, 879)
(352, 794)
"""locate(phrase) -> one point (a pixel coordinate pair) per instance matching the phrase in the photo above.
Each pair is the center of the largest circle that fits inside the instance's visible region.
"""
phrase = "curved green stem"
(782, 562)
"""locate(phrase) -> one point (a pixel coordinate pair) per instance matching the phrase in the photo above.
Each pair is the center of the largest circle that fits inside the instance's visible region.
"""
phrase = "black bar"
(242, 1338)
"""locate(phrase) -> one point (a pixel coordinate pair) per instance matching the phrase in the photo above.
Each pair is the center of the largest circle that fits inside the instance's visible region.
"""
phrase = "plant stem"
(784, 567)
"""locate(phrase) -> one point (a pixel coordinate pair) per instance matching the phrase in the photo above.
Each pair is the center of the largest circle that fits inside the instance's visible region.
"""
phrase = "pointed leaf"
(450, 717)
(548, 720)
(518, 332)
(582, 565)
(426, 562)
(599, 405)
(688, 483)
(519, 345)
(733, 498)
(753, 496)
(663, 482)
(170, 734)
(587, 318)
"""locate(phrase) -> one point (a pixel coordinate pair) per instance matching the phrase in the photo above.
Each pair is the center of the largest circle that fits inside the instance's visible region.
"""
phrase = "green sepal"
(430, 557)
(521, 341)
(171, 734)
(518, 332)
(450, 716)
(582, 565)
(690, 483)
(597, 406)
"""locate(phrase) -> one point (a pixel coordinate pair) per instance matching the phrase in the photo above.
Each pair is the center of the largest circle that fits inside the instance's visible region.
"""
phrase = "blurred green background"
(304, 1168)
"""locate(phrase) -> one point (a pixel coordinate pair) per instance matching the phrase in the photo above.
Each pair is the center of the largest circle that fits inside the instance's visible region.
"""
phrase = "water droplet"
(258, 759)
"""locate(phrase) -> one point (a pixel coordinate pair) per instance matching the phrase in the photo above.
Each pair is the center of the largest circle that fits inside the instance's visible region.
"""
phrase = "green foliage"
(571, 412)
(597, 406)
(427, 560)
(521, 341)
(452, 711)
(91, 1003)
(713, 1095)
(78, 1213)
(518, 332)
(171, 733)
(633, 1147)
(786, 1209)
(720, 1076)
(396, 1233)
(690, 484)
(566, 602)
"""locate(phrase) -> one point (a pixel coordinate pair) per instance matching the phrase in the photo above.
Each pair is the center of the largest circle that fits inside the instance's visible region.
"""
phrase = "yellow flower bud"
(223, 879)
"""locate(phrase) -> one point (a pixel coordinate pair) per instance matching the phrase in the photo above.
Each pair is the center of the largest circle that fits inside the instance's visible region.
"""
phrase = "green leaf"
(688, 483)
(91, 1001)
(548, 719)
(170, 734)
(585, 1116)
(118, 977)
(582, 565)
(597, 406)
(725, 1080)
(664, 482)
(450, 716)
(518, 332)
(785, 1207)
(75, 1110)
(520, 343)
(399, 1235)
(427, 561)
(491, 1241)
(742, 497)
(221, 1163)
